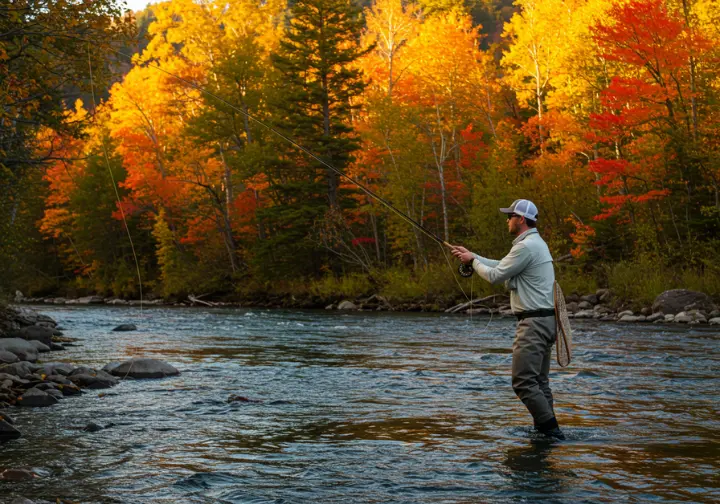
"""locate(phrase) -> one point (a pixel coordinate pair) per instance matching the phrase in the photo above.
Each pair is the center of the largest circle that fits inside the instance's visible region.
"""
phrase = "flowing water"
(371, 407)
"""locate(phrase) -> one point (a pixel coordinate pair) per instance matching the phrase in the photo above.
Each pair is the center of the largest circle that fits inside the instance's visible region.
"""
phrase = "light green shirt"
(527, 271)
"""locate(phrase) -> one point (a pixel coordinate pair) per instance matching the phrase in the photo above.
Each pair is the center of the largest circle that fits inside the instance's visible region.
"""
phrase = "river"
(369, 407)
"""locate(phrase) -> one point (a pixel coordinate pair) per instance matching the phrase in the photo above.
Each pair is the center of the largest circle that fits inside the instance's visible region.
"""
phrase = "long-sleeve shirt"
(527, 271)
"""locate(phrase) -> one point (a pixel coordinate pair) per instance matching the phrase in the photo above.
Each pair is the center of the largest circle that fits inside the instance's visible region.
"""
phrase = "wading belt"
(550, 312)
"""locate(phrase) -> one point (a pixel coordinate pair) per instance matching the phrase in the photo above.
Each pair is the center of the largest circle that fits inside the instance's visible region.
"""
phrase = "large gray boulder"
(19, 369)
(676, 300)
(36, 398)
(24, 350)
(142, 368)
(39, 346)
(7, 357)
(347, 305)
(35, 333)
(57, 368)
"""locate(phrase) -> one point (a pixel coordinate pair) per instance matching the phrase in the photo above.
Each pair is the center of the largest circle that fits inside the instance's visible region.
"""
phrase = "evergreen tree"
(316, 96)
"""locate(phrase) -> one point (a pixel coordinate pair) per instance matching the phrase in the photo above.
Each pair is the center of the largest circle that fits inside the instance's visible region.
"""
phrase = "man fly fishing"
(528, 273)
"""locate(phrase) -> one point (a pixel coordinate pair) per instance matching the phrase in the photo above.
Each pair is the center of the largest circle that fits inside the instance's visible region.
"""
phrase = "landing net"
(563, 332)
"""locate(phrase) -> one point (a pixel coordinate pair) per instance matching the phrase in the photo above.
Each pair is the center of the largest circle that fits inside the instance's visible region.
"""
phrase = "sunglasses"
(510, 216)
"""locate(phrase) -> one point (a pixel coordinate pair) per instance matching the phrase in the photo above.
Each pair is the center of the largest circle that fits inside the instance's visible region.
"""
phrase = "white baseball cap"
(522, 207)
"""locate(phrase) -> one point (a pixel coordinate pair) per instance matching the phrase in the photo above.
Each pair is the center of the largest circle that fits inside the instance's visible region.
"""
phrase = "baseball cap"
(522, 207)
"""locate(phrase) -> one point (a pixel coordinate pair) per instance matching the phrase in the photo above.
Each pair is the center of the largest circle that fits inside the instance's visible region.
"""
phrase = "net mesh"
(564, 333)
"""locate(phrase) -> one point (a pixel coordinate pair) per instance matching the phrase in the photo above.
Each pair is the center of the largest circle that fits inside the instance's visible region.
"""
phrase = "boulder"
(347, 305)
(93, 381)
(92, 427)
(669, 317)
(632, 318)
(36, 398)
(585, 305)
(35, 333)
(656, 316)
(602, 310)
(606, 296)
(601, 292)
(7, 431)
(7, 357)
(21, 500)
(714, 321)
(24, 350)
(144, 368)
(57, 368)
(572, 307)
(590, 298)
(690, 317)
(674, 301)
(572, 298)
(125, 327)
(7, 418)
(88, 300)
(623, 313)
(330, 307)
(39, 346)
(116, 302)
(585, 314)
(19, 369)
(646, 311)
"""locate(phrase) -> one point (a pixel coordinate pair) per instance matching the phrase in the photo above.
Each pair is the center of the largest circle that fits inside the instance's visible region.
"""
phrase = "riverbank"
(25, 335)
(673, 306)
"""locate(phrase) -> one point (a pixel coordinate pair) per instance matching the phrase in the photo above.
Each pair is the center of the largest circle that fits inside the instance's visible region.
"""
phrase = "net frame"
(563, 332)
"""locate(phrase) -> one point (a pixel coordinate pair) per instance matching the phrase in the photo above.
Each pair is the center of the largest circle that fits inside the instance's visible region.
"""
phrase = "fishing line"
(114, 184)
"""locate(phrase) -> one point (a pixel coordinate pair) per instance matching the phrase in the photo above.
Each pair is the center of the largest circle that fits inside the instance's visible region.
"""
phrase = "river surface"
(371, 408)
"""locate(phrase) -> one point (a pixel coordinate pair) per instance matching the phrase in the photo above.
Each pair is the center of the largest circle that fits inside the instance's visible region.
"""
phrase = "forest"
(141, 150)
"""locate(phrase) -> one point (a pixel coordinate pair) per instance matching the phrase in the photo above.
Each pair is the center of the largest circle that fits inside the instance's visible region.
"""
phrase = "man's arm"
(510, 265)
(487, 262)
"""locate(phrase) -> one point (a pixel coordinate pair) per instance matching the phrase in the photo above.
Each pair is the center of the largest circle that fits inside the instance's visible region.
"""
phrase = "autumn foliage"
(604, 113)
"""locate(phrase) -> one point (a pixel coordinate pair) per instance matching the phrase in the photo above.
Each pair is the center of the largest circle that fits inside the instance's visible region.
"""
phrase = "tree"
(317, 90)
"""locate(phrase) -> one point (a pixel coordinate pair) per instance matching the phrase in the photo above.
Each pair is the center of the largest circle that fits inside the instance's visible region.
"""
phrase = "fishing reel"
(465, 270)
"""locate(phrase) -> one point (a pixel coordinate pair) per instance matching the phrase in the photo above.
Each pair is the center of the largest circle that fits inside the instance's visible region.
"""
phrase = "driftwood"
(471, 304)
(196, 300)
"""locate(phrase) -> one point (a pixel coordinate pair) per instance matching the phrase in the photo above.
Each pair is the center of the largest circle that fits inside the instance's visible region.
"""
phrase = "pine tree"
(316, 96)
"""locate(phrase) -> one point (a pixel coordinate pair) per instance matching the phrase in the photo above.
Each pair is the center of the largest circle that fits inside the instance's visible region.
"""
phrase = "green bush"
(575, 278)
(437, 283)
(331, 287)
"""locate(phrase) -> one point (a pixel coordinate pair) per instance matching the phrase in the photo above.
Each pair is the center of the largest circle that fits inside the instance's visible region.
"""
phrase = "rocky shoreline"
(673, 306)
(25, 336)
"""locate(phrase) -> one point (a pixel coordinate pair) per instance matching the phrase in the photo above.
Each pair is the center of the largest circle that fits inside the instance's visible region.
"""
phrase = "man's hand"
(463, 254)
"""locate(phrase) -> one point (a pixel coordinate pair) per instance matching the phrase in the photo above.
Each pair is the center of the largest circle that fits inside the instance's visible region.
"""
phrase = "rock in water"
(35, 397)
(674, 301)
(347, 305)
(7, 431)
(17, 475)
(144, 368)
(125, 327)
(92, 427)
